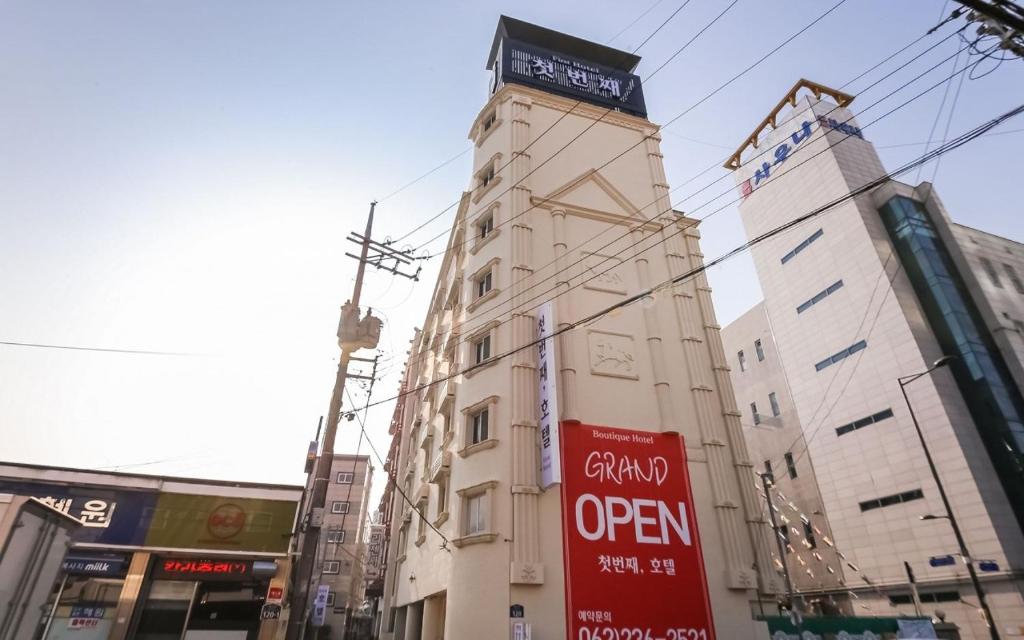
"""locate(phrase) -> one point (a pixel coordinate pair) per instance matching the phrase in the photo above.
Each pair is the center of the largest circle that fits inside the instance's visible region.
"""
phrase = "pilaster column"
(525, 567)
(667, 422)
(563, 311)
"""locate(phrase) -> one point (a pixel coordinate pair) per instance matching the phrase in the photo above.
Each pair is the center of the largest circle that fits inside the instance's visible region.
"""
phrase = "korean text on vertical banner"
(547, 412)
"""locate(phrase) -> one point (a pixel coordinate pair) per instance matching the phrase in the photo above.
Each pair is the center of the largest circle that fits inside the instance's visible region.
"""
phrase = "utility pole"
(794, 613)
(353, 334)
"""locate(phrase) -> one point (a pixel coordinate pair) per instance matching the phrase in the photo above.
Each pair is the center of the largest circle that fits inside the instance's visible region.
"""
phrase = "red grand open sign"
(633, 563)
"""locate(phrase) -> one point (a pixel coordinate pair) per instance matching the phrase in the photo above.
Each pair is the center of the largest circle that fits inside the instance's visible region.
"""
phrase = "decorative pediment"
(592, 195)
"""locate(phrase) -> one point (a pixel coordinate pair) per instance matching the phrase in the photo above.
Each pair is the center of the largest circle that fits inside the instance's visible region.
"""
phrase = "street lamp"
(964, 553)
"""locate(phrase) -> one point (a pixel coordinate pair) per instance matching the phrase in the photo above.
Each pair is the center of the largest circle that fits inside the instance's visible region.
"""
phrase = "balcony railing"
(440, 465)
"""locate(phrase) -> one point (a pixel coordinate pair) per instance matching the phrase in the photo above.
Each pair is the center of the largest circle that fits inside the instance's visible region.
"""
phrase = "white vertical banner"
(320, 605)
(547, 395)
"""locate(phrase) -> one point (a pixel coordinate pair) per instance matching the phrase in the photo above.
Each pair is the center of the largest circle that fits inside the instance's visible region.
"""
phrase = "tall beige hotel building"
(476, 545)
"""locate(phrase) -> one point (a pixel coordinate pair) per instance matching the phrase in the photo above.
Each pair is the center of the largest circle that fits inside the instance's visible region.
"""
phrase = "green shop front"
(165, 558)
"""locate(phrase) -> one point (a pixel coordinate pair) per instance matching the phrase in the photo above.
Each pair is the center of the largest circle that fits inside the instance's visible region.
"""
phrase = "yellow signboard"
(224, 523)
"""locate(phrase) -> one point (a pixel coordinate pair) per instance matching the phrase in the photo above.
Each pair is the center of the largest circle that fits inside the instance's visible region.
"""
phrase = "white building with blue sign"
(871, 291)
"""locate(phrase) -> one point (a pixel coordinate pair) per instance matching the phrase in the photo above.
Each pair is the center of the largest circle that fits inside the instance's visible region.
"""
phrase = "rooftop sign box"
(523, 53)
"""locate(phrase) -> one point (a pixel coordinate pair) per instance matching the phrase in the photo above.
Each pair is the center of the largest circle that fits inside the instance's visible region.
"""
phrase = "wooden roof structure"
(842, 99)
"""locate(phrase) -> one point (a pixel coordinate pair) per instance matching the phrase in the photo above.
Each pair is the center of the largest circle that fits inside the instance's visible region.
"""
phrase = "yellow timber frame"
(842, 99)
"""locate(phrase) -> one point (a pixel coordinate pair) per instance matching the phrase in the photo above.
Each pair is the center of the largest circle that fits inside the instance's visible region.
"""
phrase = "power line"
(501, 168)
(636, 20)
(941, 150)
(808, 438)
(649, 136)
(468, 332)
(391, 477)
(428, 173)
(143, 352)
(918, 144)
(662, 25)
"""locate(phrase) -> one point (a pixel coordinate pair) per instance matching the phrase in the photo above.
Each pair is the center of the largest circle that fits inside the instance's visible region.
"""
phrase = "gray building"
(342, 550)
(877, 288)
(773, 433)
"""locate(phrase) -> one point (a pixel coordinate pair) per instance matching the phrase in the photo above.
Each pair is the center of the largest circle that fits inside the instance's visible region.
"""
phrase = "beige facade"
(773, 431)
(469, 459)
(997, 265)
(848, 321)
(342, 549)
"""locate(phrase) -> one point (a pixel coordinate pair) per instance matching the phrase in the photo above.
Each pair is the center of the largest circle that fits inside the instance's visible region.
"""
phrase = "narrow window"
(486, 226)
(768, 470)
(774, 401)
(790, 465)
(480, 423)
(809, 536)
(336, 536)
(345, 477)
(483, 284)
(821, 295)
(339, 506)
(476, 514)
(332, 566)
(487, 176)
(743, 361)
(895, 498)
(784, 535)
(331, 597)
(442, 496)
(991, 271)
(482, 349)
(754, 413)
(863, 422)
(759, 350)
(1011, 273)
(421, 521)
(803, 245)
(492, 117)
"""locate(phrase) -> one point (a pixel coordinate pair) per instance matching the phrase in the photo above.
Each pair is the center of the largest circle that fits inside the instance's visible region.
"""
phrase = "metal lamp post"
(964, 553)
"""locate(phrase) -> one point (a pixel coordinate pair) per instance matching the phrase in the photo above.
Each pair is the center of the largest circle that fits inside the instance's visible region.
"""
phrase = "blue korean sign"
(108, 516)
(572, 77)
(98, 565)
(781, 152)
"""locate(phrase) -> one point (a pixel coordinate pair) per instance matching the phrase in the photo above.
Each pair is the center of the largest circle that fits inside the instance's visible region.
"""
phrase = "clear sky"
(181, 176)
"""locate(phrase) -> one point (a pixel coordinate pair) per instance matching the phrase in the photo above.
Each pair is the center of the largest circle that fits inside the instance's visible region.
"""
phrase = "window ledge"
(489, 443)
(481, 242)
(441, 519)
(490, 295)
(480, 192)
(475, 538)
(486, 133)
(476, 368)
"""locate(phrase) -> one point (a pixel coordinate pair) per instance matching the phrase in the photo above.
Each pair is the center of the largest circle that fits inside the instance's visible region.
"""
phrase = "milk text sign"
(632, 551)
(547, 411)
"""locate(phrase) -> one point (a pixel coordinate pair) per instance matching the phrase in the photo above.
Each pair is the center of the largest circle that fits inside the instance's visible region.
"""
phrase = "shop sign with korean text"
(109, 516)
(633, 563)
(547, 394)
(572, 77)
(215, 570)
